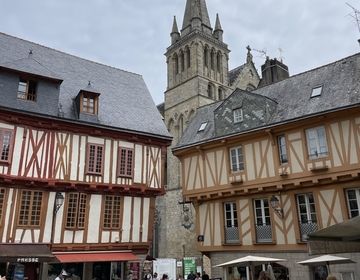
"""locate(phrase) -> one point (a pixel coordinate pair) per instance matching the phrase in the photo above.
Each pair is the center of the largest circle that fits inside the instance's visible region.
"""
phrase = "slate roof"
(341, 89)
(125, 102)
(234, 73)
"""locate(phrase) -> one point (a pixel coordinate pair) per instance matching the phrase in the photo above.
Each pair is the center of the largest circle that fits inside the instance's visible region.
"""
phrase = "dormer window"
(238, 115)
(89, 103)
(316, 91)
(27, 90)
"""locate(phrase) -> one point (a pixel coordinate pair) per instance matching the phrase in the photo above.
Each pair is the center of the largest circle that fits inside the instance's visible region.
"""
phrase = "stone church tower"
(197, 74)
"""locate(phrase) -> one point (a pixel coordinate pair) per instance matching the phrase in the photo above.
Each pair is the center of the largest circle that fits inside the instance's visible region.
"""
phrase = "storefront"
(104, 265)
(24, 261)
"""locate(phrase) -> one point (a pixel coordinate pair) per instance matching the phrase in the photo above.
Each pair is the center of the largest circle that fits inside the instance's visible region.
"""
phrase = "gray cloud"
(133, 34)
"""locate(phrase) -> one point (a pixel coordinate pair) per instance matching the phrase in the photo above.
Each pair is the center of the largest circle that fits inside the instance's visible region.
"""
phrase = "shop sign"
(189, 266)
(27, 260)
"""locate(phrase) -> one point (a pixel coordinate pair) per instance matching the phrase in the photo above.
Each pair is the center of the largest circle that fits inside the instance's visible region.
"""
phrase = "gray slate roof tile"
(341, 89)
(125, 102)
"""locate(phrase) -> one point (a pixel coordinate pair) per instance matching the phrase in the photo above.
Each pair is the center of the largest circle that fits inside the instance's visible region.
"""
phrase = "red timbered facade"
(78, 180)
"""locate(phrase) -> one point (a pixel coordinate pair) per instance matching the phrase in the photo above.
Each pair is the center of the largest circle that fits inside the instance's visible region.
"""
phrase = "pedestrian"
(191, 276)
(205, 276)
(263, 276)
(198, 276)
(180, 277)
(63, 275)
(156, 277)
(165, 277)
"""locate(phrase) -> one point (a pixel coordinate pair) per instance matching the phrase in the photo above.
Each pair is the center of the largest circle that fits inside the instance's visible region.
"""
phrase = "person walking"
(191, 276)
(205, 276)
(156, 277)
(63, 275)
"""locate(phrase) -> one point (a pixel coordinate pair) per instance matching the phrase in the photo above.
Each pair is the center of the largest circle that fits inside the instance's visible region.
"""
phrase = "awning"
(93, 256)
(26, 253)
(339, 238)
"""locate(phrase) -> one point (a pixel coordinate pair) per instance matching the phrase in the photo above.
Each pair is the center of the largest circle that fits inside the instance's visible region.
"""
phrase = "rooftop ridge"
(310, 70)
(75, 56)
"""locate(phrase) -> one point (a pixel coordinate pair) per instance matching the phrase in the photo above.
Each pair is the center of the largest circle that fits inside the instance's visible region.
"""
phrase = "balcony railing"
(263, 233)
(232, 235)
(307, 228)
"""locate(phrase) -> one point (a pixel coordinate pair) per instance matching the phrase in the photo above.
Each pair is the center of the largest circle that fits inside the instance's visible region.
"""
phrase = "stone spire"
(175, 34)
(249, 56)
(196, 8)
(218, 32)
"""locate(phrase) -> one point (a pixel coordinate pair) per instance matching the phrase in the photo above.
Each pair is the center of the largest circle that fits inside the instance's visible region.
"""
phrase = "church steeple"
(218, 32)
(196, 9)
(175, 35)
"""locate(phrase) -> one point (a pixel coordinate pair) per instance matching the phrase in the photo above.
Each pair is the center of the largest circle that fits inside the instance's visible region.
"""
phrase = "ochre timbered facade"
(286, 165)
(78, 182)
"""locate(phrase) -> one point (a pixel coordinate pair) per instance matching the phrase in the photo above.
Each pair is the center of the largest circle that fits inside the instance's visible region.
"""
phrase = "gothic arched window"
(210, 90)
(212, 60)
(206, 56)
(220, 94)
(176, 63)
(188, 57)
(219, 61)
(182, 60)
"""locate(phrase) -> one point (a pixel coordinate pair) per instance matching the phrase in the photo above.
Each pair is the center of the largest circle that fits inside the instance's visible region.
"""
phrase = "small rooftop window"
(238, 115)
(202, 126)
(316, 91)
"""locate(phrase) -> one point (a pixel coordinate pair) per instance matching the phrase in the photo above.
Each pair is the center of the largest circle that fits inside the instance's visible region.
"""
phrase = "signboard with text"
(189, 266)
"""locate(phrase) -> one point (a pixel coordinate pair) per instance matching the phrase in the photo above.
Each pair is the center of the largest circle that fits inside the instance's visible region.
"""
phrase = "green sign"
(189, 266)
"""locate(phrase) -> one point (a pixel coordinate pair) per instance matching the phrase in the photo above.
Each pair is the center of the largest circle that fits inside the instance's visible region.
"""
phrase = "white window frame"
(357, 199)
(307, 206)
(202, 126)
(262, 208)
(316, 142)
(236, 159)
(238, 115)
(316, 91)
(232, 211)
(282, 149)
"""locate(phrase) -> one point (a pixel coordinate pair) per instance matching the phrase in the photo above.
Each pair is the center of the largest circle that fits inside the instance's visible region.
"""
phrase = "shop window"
(76, 210)
(95, 159)
(126, 162)
(112, 212)
(30, 208)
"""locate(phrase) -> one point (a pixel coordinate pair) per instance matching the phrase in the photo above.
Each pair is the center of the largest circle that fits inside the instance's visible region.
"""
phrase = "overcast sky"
(133, 34)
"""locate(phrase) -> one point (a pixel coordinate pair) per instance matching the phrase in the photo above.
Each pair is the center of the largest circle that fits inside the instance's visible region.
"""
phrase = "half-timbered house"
(266, 168)
(82, 149)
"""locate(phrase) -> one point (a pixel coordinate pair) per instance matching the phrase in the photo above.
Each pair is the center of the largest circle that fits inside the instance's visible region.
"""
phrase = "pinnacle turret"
(196, 9)
(218, 32)
(175, 34)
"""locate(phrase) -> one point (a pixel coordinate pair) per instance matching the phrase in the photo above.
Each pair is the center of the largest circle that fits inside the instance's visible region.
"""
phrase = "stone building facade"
(197, 75)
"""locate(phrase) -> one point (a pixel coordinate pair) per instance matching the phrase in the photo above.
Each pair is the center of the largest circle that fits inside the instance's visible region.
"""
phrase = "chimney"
(273, 71)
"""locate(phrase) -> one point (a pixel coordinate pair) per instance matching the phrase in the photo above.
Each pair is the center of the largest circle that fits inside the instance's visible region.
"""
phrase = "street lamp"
(187, 217)
(275, 204)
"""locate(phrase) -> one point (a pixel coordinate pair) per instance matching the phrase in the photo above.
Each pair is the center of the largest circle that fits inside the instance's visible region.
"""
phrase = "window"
(27, 90)
(95, 159)
(237, 159)
(316, 91)
(76, 210)
(231, 223)
(353, 200)
(112, 212)
(262, 220)
(307, 214)
(182, 59)
(202, 126)
(220, 94)
(30, 208)
(5, 145)
(218, 61)
(210, 90)
(176, 63)
(212, 60)
(282, 149)
(126, 162)
(206, 57)
(2, 199)
(316, 141)
(89, 103)
(238, 115)
(188, 57)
